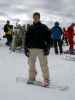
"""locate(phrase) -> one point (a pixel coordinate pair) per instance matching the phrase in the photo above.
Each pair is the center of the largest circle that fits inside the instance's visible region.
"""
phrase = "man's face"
(36, 19)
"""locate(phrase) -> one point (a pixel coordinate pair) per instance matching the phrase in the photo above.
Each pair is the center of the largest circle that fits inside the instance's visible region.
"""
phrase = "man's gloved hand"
(46, 51)
(27, 52)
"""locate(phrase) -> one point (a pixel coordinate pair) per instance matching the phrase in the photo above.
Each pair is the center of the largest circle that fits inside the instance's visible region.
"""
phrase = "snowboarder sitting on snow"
(70, 37)
(57, 36)
(37, 44)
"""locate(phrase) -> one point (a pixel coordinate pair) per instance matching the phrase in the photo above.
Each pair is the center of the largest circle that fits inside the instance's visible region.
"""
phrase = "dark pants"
(9, 39)
(58, 44)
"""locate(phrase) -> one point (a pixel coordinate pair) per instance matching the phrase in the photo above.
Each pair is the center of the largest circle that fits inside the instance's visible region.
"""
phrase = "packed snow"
(12, 65)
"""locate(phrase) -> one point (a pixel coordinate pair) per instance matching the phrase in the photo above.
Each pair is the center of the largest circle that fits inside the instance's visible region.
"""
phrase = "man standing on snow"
(37, 44)
(57, 36)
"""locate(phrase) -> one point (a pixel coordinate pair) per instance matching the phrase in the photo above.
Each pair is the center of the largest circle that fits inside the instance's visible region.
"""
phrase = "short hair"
(73, 24)
(57, 23)
(36, 14)
(8, 21)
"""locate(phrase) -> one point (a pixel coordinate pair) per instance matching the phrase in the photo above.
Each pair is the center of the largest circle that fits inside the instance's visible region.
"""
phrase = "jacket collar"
(37, 23)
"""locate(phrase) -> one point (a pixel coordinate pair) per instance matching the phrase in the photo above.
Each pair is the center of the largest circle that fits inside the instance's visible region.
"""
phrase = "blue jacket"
(56, 32)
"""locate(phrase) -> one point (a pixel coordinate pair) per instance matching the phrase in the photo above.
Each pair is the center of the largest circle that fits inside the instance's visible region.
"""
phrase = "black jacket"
(6, 28)
(38, 36)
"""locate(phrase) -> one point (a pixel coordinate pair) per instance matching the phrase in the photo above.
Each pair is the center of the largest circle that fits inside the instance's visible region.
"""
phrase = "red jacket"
(65, 34)
(70, 32)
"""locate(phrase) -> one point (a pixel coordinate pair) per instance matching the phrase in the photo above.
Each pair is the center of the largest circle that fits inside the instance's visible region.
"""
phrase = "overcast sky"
(25, 8)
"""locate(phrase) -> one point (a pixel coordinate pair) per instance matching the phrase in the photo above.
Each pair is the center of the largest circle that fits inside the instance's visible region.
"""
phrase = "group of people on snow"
(37, 43)
(16, 36)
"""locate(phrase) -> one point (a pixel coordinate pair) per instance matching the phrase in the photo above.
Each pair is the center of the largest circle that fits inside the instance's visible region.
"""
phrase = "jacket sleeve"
(5, 28)
(48, 37)
(62, 33)
(27, 38)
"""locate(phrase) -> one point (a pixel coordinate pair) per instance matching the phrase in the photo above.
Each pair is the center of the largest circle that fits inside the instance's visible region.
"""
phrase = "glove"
(27, 52)
(46, 51)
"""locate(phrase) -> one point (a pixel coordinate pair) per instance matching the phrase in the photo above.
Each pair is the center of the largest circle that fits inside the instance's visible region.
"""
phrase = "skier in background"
(37, 44)
(70, 37)
(57, 36)
(7, 30)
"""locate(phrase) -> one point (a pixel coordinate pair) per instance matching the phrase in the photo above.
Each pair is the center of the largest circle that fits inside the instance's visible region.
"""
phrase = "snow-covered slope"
(14, 65)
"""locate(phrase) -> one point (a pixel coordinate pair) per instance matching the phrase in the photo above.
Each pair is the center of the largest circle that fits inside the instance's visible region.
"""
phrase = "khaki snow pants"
(34, 53)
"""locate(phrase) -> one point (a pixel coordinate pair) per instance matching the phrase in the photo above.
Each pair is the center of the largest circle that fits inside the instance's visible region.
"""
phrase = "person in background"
(65, 35)
(70, 37)
(37, 44)
(28, 26)
(11, 33)
(57, 36)
(7, 30)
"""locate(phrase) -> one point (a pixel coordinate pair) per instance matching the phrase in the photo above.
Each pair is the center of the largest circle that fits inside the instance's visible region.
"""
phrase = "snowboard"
(70, 53)
(40, 84)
